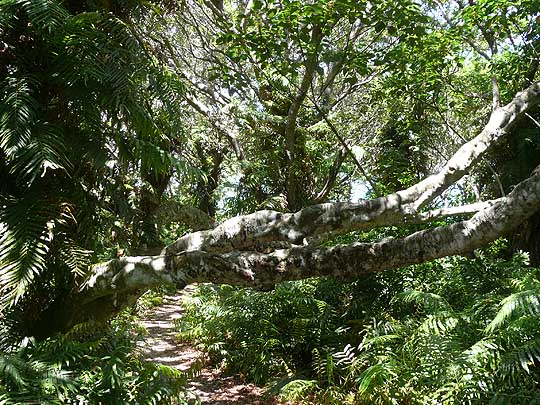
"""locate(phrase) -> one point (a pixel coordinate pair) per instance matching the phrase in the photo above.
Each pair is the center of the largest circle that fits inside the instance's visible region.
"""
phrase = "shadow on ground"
(210, 386)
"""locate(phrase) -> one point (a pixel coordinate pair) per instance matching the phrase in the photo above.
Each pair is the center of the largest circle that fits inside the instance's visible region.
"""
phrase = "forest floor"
(210, 385)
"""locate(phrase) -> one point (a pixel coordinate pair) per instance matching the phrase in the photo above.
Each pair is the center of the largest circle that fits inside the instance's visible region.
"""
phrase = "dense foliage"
(84, 145)
(92, 364)
(87, 118)
(452, 331)
(126, 124)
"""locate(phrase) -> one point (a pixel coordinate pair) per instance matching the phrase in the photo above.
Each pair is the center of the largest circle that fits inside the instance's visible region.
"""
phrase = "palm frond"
(13, 370)
(22, 261)
(25, 244)
(18, 112)
(44, 151)
(75, 257)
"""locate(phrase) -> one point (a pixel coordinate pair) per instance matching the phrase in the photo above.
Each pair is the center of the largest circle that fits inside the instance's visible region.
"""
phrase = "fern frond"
(520, 303)
(431, 302)
(439, 324)
(346, 356)
(524, 356)
(298, 389)
(44, 151)
(374, 376)
(380, 340)
(76, 258)
(46, 15)
(323, 364)
(18, 112)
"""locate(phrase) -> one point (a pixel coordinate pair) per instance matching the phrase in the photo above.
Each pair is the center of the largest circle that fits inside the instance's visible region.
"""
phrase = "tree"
(232, 252)
(338, 51)
(84, 148)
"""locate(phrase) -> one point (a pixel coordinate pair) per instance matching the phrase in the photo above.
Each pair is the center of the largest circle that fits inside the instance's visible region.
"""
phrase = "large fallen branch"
(256, 230)
(234, 252)
(347, 262)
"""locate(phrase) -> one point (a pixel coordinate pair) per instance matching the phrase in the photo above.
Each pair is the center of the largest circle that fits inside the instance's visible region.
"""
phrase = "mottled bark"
(172, 211)
(239, 251)
(346, 262)
(500, 122)
(254, 231)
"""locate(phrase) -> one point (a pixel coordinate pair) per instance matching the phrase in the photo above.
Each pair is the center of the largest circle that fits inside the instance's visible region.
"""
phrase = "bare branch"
(256, 230)
(263, 271)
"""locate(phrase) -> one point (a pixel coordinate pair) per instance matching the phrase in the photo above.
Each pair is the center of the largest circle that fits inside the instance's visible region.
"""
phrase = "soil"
(209, 385)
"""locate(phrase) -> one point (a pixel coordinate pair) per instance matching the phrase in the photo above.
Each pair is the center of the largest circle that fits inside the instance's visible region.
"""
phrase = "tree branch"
(331, 178)
(292, 115)
(346, 147)
(500, 123)
(233, 139)
(172, 211)
(346, 262)
(234, 252)
(255, 230)
(496, 103)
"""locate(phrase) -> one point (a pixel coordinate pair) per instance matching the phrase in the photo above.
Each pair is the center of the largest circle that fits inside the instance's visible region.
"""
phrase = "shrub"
(452, 331)
(92, 364)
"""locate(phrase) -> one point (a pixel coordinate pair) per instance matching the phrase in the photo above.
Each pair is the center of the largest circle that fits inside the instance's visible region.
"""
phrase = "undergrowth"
(94, 363)
(451, 331)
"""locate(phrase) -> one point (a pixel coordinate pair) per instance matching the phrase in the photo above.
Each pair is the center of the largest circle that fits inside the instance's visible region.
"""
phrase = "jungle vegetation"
(354, 184)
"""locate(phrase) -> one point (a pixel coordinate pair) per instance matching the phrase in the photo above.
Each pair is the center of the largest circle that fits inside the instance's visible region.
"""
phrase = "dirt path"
(210, 386)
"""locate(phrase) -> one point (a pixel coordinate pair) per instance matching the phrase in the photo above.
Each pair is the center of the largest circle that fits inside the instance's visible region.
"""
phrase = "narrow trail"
(160, 346)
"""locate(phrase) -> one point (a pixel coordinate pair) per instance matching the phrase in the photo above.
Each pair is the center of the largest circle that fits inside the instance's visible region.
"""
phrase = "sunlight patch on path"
(160, 346)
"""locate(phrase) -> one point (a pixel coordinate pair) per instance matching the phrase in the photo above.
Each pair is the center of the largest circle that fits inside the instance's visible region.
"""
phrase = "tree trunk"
(267, 247)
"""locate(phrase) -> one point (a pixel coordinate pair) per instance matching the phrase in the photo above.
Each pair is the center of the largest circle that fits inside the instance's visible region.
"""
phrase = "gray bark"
(254, 231)
(172, 211)
(501, 121)
(236, 252)
(346, 262)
